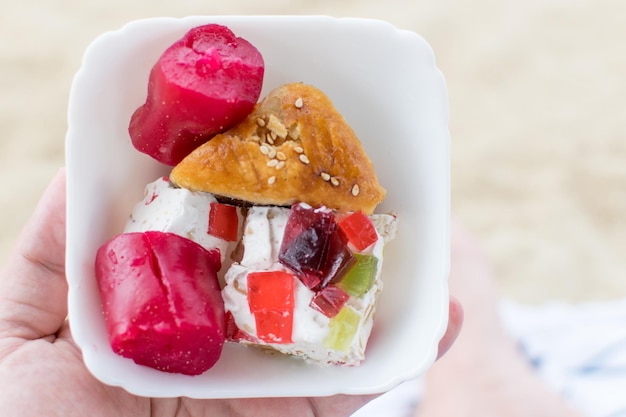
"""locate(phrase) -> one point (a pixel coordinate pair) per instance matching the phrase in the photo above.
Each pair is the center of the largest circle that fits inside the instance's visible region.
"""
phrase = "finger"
(33, 289)
(340, 405)
(455, 322)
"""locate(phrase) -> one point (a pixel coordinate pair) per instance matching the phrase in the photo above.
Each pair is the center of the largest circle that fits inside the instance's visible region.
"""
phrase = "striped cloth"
(577, 349)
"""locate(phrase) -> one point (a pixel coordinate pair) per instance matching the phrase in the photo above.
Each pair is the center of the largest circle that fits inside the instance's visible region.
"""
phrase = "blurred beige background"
(537, 95)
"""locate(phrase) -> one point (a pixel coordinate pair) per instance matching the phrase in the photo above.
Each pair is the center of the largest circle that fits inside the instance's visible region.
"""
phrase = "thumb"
(33, 289)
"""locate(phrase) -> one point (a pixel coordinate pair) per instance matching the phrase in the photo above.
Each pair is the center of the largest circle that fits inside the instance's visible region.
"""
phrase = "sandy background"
(537, 94)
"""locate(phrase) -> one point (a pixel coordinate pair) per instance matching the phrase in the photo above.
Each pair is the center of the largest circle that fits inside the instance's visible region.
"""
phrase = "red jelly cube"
(338, 260)
(223, 222)
(274, 326)
(311, 281)
(270, 290)
(313, 247)
(329, 301)
(271, 300)
(305, 239)
(359, 230)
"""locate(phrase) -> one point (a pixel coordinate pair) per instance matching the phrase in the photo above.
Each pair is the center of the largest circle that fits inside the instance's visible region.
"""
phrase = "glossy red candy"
(161, 300)
(339, 259)
(274, 326)
(223, 221)
(359, 230)
(313, 247)
(271, 300)
(270, 290)
(305, 241)
(203, 84)
(329, 301)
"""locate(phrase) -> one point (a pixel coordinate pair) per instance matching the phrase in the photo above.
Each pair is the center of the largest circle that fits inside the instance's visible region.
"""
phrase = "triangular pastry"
(294, 147)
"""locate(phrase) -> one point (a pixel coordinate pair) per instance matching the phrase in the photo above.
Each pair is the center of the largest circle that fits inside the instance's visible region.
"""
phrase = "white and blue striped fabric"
(577, 349)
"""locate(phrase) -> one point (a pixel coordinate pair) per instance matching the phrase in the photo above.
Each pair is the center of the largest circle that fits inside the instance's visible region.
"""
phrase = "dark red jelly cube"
(313, 247)
(311, 281)
(338, 260)
(305, 239)
(359, 230)
(329, 301)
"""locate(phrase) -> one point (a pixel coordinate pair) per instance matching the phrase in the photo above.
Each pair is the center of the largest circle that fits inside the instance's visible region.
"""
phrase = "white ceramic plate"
(386, 84)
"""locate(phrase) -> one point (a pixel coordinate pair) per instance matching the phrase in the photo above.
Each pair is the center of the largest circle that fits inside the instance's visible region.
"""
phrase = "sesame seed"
(272, 162)
(265, 150)
(272, 153)
(281, 156)
(255, 138)
(298, 149)
(325, 176)
(299, 103)
(260, 122)
(269, 139)
(304, 159)
(334, 181)
(280, 164)
(271, 180)
(355, 190)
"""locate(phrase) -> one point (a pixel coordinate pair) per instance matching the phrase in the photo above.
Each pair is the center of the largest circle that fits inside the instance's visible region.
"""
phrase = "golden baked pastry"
(295, 146)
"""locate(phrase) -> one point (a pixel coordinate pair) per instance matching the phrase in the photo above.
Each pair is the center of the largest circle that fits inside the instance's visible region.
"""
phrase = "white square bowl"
(385, 83)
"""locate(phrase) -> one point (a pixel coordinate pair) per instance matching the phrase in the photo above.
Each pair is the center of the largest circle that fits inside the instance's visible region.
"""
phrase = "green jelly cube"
(343, 328)
(360, 278)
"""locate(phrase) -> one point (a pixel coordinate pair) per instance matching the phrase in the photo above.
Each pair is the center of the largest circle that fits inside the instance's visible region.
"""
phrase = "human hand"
(41, 368)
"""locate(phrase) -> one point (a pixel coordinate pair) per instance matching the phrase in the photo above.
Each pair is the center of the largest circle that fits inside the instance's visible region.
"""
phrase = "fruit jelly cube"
(329, 301)
(223, 221)
(343, 328)
(359, 230)
(305, 239)
(270, 290)
(360, 278)
(339, 259)
(313, 247)
(273, 326)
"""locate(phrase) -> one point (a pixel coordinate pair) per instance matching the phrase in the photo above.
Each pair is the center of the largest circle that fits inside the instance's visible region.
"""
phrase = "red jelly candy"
(271, 300)
(223, 222)
(273, 326)
(162, 301)
(359, 230)
(329, 301)
(313, 247)
(203, 84)
(270, 290)
(338, 260)
(305, 239)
